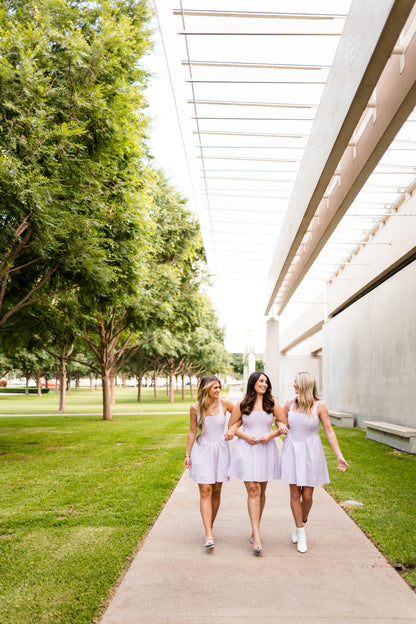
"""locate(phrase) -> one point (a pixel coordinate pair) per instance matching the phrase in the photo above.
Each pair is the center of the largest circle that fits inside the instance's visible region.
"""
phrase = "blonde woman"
(303, 464)
(207, 452)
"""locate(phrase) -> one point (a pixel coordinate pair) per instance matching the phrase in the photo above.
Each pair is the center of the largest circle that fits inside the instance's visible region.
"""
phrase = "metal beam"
(218, 33)
(370, 34)
(240, 65)
(259, 15)
(251, 134)
(235, 118)
(260, 104)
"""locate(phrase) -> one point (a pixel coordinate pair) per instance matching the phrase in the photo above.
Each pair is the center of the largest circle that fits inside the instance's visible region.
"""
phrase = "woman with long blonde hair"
(303, 464)
(207, 452)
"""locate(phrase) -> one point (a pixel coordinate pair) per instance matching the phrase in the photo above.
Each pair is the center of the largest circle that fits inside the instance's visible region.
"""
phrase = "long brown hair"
(247, 404)
(308, 392)
(204, 386)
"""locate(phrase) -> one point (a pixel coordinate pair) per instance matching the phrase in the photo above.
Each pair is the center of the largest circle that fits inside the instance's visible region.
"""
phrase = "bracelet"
(187, 456)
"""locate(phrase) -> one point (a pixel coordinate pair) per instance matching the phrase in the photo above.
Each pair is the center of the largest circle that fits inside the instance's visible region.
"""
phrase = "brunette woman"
(255, 458)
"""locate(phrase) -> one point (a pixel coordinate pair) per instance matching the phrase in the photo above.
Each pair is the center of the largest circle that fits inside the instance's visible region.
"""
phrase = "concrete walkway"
(342, 579)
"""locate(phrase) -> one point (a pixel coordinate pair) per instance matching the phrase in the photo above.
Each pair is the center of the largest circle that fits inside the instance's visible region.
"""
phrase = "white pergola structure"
(300, 126)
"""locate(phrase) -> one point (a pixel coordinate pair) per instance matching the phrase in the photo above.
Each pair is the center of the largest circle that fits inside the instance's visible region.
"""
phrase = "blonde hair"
(308, 391)
(205, 385)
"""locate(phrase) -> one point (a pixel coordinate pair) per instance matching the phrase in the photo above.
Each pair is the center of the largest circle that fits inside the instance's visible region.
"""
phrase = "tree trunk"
(112, 389)
(77, 380)
(171, 397)
(124, 377)
(27, 383)
(191, 388)
(38, 386)
(139, 382)
(183, 387)
(56, 382)
(68, 382)
(155, 385)
(91, 382)
(105, 379)
(62, 383)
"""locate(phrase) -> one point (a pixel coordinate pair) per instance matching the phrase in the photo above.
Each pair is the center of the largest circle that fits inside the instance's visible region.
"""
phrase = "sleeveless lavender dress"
(210, 454)
(255, 462)
(303, 459)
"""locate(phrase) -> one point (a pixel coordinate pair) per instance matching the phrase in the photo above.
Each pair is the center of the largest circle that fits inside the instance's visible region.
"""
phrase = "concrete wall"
(289, 366)
(369, 354)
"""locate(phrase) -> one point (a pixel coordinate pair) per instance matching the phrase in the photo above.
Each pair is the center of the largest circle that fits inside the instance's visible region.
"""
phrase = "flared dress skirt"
(255, 462)
(210, 454)
(303, 460)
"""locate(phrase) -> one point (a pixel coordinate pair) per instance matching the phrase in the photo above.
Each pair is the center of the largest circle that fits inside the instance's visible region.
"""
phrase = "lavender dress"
(303, 459)
(255, 462)
(210, 455)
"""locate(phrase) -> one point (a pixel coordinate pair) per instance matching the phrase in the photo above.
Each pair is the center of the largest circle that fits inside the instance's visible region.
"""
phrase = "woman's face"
(261, 384)
(214, 391)
(296, 387)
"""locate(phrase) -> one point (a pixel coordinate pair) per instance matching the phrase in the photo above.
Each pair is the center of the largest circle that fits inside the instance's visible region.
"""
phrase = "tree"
(159, 268)
(237, 363)
(5, 365)
(73, 134)
(72, 96)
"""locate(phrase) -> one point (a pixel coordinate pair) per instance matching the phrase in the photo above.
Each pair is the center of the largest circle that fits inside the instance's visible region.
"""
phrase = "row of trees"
(100, 260)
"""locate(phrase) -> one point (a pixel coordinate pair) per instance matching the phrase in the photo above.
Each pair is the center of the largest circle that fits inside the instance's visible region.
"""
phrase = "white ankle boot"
(295, 535)
(301, 540)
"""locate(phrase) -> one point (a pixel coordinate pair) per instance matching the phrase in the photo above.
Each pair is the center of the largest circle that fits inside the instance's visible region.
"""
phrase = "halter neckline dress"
(302, 459)
(210, 454)
(255, 462)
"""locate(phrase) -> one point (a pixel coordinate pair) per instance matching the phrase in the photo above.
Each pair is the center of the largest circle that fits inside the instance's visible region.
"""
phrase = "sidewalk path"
(342, 579)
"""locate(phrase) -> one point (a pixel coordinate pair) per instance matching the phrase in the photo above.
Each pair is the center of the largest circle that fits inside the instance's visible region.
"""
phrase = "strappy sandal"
(209, 543)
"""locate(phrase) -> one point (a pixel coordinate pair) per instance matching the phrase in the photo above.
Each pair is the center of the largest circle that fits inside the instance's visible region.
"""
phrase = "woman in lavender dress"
(303, 464)
(255, 458)
(207, 453)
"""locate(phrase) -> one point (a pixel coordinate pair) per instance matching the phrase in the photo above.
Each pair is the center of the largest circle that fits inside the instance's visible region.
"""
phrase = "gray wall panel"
(369, 354)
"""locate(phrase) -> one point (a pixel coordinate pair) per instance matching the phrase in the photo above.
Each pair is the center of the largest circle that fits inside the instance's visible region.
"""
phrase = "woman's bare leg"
(263, 487)
(254, 509)
(307, 500)
(205, 505)
(296, 504)
(215, 500)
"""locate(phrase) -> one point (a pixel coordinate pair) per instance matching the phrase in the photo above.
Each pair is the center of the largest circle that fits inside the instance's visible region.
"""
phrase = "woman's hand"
(265, 438)
(342, 464)
(187, 461)
(231, 432)
(282, 428)
(249, 438)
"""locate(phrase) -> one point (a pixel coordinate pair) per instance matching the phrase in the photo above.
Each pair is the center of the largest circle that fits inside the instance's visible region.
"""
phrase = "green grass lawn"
(78, 494)
(85, 401)
(384, 480)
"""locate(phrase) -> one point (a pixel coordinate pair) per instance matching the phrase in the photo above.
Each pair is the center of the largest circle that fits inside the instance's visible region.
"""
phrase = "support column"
(251, 363)
(272, 354)
(245, 374)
